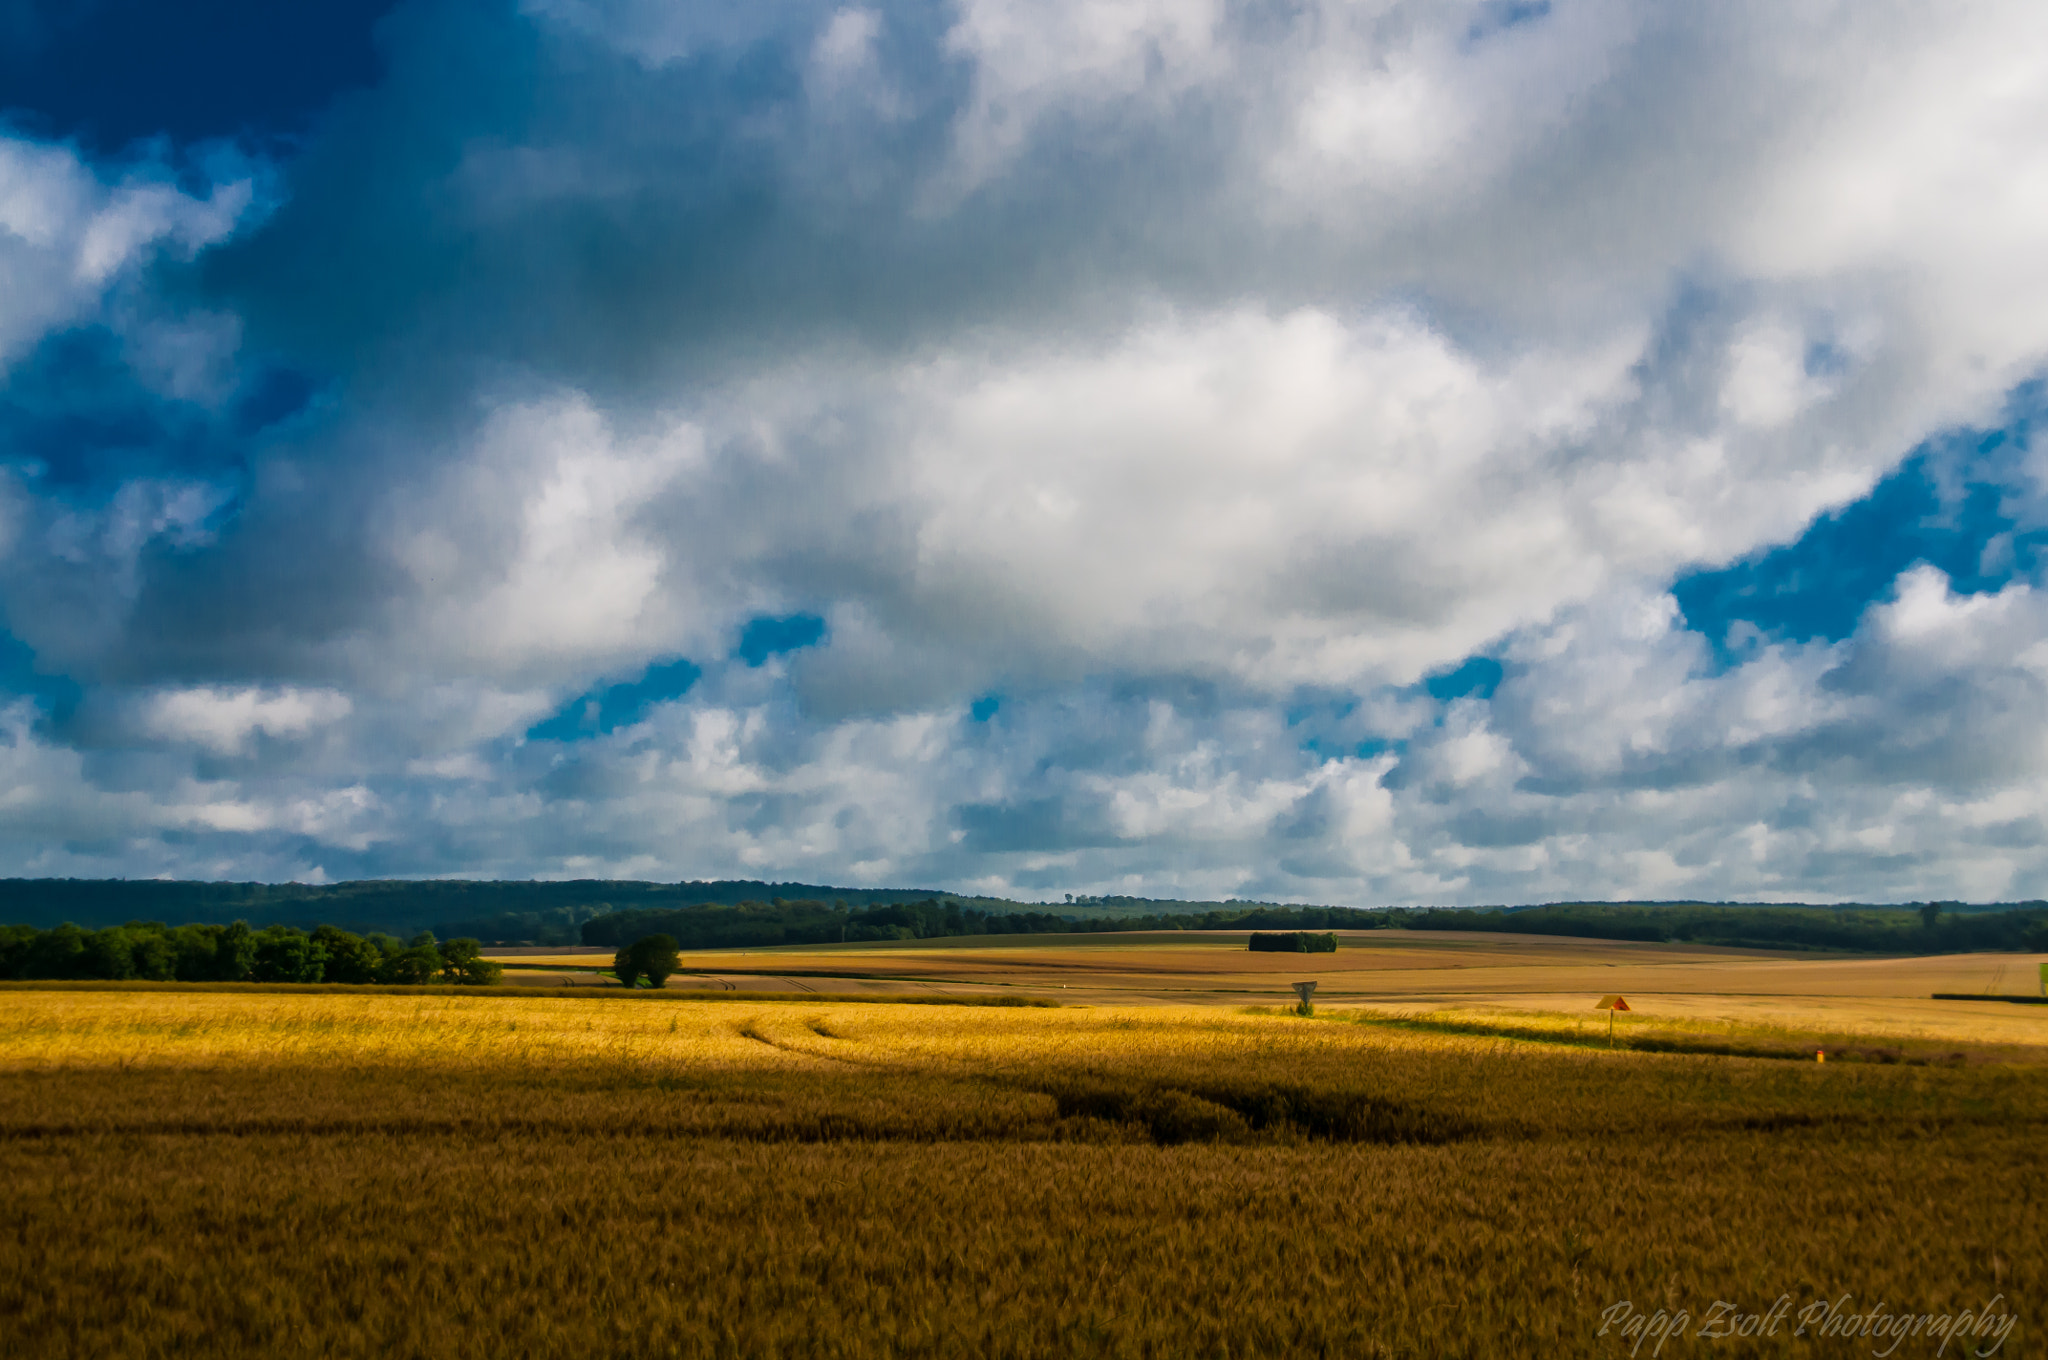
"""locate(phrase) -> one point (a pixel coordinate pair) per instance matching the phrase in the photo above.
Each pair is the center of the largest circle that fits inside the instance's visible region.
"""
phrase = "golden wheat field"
(528, 1173)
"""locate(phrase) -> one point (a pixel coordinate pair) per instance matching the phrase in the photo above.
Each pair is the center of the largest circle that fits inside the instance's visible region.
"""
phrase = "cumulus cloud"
(1154, 399)
(225, 722)
(67, 233)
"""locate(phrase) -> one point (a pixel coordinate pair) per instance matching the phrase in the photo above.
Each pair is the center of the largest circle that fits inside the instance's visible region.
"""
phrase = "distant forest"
(497, 911)
(1926, 928)
(742, 913)
(758, 924)
(1923, 928)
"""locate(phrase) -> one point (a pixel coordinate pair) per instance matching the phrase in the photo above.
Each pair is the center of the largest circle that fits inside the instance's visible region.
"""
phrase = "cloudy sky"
(1345, 452)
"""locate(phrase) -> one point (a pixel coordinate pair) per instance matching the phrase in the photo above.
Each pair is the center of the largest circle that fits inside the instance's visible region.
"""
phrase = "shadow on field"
(1912, 1055)
(1262, 1113)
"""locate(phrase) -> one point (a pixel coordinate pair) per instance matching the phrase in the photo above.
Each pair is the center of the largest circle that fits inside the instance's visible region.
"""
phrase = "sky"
(1368, 453)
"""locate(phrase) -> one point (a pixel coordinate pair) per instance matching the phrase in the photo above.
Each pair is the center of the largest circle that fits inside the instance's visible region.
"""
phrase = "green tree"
(195, 947)
(59, 953)
(350, 958)
(109, 954)
(626, 966)
(463, 961)
(412, 965)
(656, 959)
(156, 956)
(388, 948)
(1930, 915)
(287, 955)
(15, 944)
(234, 953)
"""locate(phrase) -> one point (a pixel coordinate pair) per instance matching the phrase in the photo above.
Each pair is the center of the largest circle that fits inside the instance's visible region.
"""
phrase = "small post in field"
(1611, 1004)
(1305, 990)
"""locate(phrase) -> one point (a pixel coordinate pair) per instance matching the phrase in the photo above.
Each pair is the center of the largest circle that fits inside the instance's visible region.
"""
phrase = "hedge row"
(1294, 942)
(149, 951)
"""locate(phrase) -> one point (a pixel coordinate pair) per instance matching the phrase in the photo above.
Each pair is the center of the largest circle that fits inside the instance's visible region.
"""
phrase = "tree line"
(1923, 928)
(751, 912)
(151, 951)
(759, 924)
(542, 911)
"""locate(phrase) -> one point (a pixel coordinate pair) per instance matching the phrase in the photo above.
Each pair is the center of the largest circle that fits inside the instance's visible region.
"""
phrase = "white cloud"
(227, 721)
(1767, 380)
(67, 235)
(1033, 59)
(532, 553)
(1170, 369)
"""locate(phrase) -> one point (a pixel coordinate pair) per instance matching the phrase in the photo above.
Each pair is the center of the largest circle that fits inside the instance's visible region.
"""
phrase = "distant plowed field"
(1401, 972)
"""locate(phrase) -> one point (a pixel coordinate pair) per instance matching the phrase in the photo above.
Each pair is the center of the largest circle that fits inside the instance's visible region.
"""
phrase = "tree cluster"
(1293, 942)
(149, 951)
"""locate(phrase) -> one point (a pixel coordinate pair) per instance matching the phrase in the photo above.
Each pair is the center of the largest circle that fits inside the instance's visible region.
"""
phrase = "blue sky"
(1426, 454)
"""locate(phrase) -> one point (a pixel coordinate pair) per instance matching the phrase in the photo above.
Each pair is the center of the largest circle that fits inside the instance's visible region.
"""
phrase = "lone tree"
(652, 957)
(657, 959)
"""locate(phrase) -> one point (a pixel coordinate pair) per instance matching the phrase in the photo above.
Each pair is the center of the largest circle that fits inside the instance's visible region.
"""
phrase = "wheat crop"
(276, 1175)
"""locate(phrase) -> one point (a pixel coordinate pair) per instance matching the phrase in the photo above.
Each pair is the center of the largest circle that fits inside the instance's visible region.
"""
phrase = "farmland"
(1395, 973)
(543, 1171)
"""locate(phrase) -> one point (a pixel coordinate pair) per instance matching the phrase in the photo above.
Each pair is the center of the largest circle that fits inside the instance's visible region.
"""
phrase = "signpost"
(1305, 990)
(1611, 1004)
